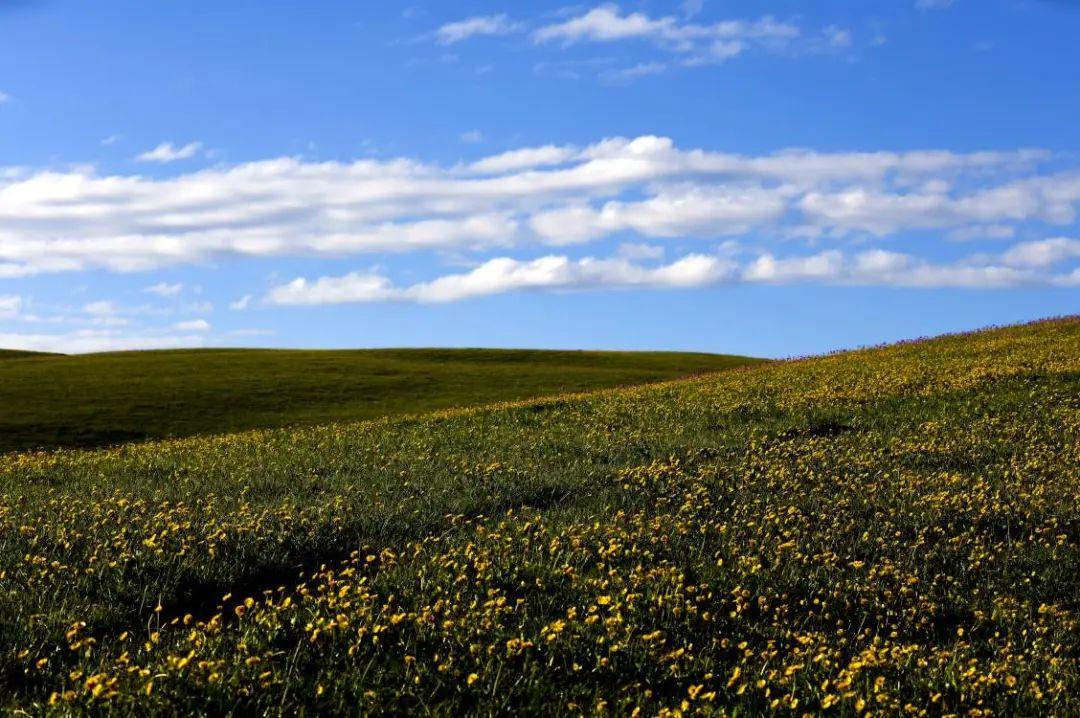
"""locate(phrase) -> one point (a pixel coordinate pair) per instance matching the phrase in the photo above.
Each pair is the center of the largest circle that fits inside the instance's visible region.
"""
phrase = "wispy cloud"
(488, 25)
(10, 305)
(525, 158)
(690, 8)
(4, 97)
(103, 313)
(100, 308)
(166, 152)
(241, 303)
(695, 43)
(192, 325)
(164, 289)
(558, 272)
(933, 4)
(97, 340)
(836, 36)
(634, 72)
(505, 274)
(680, 40)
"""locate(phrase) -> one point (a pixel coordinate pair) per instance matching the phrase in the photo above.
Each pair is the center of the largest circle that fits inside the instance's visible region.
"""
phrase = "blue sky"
(770, 177)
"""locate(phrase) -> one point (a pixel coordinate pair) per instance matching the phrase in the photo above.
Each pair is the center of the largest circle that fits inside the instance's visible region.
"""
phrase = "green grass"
(19, 354)
(100, 399)
(894, 530)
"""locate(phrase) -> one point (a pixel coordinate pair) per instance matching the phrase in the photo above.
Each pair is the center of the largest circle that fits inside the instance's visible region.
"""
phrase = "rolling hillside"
(18, 354)
(101, 399)
(882, 532)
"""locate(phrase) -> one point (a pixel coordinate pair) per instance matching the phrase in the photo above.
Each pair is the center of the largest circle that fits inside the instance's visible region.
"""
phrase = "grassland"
(889, 531)
(101, 399)
(17, 354)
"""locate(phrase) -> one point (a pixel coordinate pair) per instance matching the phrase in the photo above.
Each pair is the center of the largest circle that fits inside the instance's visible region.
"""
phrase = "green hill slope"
(100, 399)
(894, 531)
(19, 354)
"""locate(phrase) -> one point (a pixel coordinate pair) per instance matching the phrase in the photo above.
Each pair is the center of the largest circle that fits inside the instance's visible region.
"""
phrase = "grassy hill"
(19, 354)
(888, 531)
(101, 399)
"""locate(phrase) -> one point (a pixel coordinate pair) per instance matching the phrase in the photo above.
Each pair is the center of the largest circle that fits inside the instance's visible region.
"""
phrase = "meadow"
(888, 531)
(18, 354)
(91, 400)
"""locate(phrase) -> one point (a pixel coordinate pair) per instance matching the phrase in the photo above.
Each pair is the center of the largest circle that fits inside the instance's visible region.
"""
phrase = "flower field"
(889, 531)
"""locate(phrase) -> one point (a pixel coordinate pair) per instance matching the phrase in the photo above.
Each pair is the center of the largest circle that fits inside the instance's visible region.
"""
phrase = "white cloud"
(166, 152)
(874, 267)
(504, 274)
(94, 340)
(1042, 253)
(104, 313)
(241, 303)
(684, 41)
(10, 305)
(110, 140)
(1050, 199)
(878, 267)
(472, 137)
(823, 266)
(674, 212)
(4, 97)
(607, 23)
(353, 287)
(52, 221)
(526, 158)
(164, 289)
(475, 26)
(193, 325)
(697, 43)
(837, 36)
